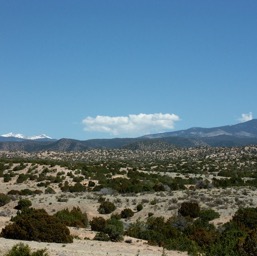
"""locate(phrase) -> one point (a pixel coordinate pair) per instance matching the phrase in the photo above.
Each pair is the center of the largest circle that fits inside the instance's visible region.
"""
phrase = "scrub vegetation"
(172, 198)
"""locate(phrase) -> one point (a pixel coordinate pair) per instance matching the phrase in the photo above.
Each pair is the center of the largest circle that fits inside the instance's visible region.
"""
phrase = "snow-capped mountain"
(20, 137)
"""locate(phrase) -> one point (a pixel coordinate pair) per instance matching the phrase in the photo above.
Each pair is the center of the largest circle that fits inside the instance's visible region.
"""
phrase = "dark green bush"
(249, 246)
(159, 187)
(183, 243)
(19, 167)
(208, 215)
(150, 214)
(26, 192)
(203, 233)
(37, 192)
(33, 177)
(73, 218)
(22, 177)
(22, 204)
(78, 178)
(43, 184)
(77, 187)
(246, 218)
(101, 199)
(228, 242)
(98, 224)
(36, 224)
(238, 237)
(106, 207)
(14, 192)
(155, 230)
(139, 207)
(4, 199)
(91, 183)
(7, 177)
(126, 213)
(116, 216)
(49, 190)
(137, 229)
(101, 236)
(21, 249)
(190, 209)
(114, 229)
(179, 222)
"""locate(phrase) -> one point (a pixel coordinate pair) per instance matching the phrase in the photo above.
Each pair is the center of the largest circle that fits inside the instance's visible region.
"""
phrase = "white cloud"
(131, 125)
(246, 117)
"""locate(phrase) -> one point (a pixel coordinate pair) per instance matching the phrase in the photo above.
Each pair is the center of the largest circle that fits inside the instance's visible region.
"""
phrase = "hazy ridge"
(225, 136)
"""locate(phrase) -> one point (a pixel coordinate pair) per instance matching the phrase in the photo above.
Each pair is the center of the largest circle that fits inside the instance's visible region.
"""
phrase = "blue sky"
(116, 68)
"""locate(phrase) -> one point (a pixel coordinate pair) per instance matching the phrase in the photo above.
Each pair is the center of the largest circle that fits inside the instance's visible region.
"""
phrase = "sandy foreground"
(222, 200)
(88, 247)
(91, 248)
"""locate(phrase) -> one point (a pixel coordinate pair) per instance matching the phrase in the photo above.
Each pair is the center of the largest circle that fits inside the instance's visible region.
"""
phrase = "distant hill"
(225, 136)
(242, 130)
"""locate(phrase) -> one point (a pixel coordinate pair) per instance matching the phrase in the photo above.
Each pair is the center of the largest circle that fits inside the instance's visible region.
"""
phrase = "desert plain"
(198, 170)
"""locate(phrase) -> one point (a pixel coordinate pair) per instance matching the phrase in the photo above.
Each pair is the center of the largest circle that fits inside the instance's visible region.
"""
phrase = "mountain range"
(224, 136)
(242, 130)
(20, 137)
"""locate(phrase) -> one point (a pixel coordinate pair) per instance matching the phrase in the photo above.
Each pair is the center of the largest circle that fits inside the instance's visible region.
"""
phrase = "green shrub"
(101, 236)
(7, 177)
(43, 184)
(78, 178)
(246, 218)
(23, 203)
(155, 230)
(249, 246)
(203, 233)
(183, 243)
(14, 192)
(179, 222)
(139, 207)
(159, 187)
(190, 209)
(208, 215)
(228, 243)
(33, 177)
(24, 250)
(22, 177)
(4, 199)
(37, 192)
(137, 229)
(49, 190)
(78, 187)
(238, 237)
(73, 218)
(19, 167)
(114, 229)
(98, 224)
(101, 199)
(26, 192)
(36, 224)
(158, 227)
(106, 207)
(150, 214)
(91, 183)
(19, 250)
(126, 213)
(116, 216)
